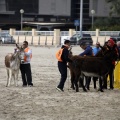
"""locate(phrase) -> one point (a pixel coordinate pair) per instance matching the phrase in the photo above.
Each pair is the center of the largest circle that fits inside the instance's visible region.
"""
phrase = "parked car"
(76, 39)
(6, 38)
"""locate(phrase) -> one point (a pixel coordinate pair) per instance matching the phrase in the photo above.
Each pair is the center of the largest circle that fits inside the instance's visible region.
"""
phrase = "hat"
(111, 41)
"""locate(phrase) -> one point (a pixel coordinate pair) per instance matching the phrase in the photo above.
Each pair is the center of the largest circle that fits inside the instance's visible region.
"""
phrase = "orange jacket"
(28, 55)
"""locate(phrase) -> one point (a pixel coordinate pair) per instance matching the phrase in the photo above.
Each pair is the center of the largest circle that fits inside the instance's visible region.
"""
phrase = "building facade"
(52, 11)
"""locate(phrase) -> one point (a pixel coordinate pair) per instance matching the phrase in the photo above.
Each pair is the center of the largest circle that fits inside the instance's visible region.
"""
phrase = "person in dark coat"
(87, 52)
(62, 65)
(112, 45)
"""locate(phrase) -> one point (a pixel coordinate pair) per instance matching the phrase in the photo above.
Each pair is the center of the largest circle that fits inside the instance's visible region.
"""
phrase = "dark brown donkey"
(91, 66)
(12, 63)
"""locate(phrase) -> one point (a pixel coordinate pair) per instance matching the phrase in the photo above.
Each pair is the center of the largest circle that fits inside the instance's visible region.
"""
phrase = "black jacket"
(65, 55)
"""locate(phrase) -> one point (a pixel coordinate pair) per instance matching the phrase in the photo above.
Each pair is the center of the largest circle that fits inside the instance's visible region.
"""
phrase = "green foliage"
(107, 28)
(114, 6)
(107, 24)
(27, 28)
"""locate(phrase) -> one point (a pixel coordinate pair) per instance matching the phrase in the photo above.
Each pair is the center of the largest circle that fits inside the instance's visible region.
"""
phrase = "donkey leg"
(105, 82)
(16, 78)
(10, 77)
(94, 82)
(82, 85)
(76, 83)
(72, 82)
(13, 75)
(100, 84)
(7, 77)
(88, 80)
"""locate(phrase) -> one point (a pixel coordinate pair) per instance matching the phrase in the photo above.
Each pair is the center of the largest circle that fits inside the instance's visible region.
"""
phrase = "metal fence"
(65, 33)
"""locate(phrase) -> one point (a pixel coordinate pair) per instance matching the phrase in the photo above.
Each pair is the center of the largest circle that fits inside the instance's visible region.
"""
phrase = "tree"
(114, 6)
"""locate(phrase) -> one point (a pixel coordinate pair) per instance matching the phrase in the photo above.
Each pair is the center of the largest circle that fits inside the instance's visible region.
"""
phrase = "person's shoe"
(111, 88)
(30, 85)
(59, 89)
(24, 85)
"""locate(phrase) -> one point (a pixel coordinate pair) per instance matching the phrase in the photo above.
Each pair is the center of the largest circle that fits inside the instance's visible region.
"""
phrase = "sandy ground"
(44, 102)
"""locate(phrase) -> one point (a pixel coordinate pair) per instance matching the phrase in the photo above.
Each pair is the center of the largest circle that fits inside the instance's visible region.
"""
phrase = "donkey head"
(102, 52)
(19, 53)
(108, 53)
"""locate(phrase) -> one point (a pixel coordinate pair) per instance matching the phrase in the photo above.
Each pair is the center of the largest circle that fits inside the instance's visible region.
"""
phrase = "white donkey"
(12, 63)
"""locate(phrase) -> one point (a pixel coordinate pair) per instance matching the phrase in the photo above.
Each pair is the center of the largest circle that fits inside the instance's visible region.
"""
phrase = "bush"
(27, 28)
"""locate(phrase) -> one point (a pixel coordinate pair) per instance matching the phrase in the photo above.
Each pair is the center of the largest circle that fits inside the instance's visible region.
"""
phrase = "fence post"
(18, 40)
(97, 32)
(32, 41)
(12, 31)
(71, 32)
(52, 40)
(39, 41)
(104, 40)
(46, 41)
(34, 32)
(57, 36)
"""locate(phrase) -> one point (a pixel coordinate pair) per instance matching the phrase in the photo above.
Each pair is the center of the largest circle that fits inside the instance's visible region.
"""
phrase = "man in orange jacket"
(25, 66)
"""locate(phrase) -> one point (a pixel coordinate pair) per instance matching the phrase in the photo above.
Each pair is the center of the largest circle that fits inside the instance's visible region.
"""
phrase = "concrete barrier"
(35, 40)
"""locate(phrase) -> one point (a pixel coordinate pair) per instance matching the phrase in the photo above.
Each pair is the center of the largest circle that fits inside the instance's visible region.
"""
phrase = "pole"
(81, 16)
(21, 20)
(92, 21)
(76, 29)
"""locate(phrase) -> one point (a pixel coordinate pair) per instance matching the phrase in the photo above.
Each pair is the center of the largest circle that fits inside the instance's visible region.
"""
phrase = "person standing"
(118, 47)
(25, 66)
(112, 45)
(62, 65)
(87, 52)
(87, 49)
(96, 49)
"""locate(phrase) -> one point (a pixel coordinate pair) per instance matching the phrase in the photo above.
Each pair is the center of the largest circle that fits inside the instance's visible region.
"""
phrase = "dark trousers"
(26, 74)
(63, 71)
(111, 75)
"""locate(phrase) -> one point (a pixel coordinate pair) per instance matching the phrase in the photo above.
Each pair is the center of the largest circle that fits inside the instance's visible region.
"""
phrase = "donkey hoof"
(88, 88)
(101, 90)
(77, 90)
(84, 90)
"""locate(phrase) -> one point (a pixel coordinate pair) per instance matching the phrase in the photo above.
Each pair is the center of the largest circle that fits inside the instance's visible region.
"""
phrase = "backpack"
(59, 54)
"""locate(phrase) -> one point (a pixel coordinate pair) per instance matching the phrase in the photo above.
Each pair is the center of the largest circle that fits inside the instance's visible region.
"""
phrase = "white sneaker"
(59, 89)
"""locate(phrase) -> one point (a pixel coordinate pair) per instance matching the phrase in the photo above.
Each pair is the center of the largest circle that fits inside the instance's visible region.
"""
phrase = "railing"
(92, 33)
(45, 33)
(29, 33)
(109, 33)
(65, 33)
